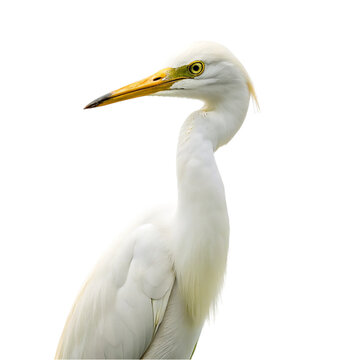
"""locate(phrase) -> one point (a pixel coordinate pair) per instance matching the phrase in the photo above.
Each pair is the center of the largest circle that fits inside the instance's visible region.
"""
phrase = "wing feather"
(118, 312)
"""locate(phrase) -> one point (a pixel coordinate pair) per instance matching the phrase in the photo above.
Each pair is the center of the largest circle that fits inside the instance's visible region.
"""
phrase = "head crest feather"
(253, 94)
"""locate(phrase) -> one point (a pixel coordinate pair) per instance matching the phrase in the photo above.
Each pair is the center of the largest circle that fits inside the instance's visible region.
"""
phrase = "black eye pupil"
(196, 68)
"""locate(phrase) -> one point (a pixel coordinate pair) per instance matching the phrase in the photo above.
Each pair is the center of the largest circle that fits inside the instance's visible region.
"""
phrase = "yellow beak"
(162, 80)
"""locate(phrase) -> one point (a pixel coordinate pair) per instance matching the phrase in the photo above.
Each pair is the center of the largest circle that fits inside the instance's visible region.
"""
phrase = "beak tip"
(92, 105)
(98, 102)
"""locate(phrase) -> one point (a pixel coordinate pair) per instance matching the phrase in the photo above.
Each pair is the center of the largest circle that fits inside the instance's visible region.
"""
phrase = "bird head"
(205, 71)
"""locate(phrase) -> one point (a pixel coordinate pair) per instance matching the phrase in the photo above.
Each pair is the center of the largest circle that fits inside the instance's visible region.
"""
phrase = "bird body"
(150, 295)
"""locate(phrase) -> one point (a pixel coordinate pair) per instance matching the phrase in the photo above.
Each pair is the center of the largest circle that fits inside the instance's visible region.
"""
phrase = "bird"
(150, 294)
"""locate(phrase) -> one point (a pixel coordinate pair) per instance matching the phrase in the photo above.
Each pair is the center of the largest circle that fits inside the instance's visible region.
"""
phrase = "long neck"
(202, 220)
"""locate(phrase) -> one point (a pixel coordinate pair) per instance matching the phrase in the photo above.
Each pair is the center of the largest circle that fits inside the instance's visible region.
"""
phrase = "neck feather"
(202, 225)
(202, 228)
(201, 243)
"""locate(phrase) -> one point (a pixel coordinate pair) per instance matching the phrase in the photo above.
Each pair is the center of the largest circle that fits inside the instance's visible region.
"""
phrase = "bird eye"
(197, 68)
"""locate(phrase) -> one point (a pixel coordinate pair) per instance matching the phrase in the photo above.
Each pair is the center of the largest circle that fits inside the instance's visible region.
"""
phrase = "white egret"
(150, 295)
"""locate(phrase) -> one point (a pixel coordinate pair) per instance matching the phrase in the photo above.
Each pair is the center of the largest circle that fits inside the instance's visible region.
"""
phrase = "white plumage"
(150, 295)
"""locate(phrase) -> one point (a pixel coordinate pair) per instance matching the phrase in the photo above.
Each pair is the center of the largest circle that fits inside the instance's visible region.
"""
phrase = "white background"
(71, 180)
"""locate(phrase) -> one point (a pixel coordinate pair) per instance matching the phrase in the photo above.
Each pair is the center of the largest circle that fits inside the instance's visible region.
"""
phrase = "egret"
(149, 296)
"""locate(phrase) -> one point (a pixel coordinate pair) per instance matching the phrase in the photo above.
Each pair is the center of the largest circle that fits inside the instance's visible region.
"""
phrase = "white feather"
(114, 314)
(150, 295)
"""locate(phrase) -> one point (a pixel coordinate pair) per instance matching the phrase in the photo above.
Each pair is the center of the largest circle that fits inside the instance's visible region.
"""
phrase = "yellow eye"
(197, 67)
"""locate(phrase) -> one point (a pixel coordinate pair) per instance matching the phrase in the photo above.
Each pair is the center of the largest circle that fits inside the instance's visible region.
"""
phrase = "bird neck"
(202, 220)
